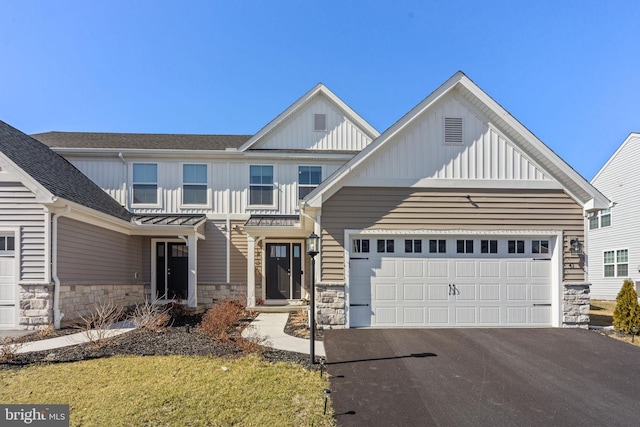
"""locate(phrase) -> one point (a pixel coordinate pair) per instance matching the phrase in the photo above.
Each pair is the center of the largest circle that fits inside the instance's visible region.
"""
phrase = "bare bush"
(9, 348)
(96, 324)
(221, 319)
(151, 315)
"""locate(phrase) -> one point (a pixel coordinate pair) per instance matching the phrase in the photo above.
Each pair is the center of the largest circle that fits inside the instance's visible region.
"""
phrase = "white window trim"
(615, 263)
(207, 204)
(298, 185)
(273, 206)
(158, 204)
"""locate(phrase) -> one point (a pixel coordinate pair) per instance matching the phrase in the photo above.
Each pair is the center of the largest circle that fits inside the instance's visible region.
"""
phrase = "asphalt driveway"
(482, 377)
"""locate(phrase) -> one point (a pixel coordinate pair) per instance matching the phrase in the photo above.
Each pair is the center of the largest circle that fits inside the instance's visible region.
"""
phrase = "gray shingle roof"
(55, 173)
(145, 141)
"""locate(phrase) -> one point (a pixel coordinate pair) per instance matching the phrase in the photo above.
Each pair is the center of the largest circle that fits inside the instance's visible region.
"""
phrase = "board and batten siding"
(297, 133)
(618, 181)
(18, 208)
(387, 208)
(88, 254)
(109, 174)
(419, 152)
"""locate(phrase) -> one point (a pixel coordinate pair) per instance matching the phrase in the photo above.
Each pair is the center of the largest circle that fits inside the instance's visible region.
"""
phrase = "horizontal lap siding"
(238, 253)
(18, 208)
(388, 208)
(212, 254)
(88, 254)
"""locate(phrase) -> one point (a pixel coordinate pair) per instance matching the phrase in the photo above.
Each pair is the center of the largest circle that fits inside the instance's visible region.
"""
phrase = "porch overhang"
(276, 225)
(162, 225)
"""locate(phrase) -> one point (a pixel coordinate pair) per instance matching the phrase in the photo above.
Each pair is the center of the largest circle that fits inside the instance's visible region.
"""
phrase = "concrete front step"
(278, 308)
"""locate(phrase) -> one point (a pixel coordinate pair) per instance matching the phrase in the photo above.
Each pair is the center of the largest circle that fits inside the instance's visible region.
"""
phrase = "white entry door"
(453, 282)
(8, 291)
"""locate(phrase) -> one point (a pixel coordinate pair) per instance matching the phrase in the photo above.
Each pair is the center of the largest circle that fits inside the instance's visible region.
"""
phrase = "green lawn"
(174, 391)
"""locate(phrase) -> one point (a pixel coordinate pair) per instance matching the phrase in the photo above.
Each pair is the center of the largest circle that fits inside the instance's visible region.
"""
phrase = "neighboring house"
(457, 215)
(614, 234)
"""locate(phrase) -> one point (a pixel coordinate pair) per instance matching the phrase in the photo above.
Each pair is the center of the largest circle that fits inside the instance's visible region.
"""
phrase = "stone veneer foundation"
(36, 306)
(330, 305)
(209, 293)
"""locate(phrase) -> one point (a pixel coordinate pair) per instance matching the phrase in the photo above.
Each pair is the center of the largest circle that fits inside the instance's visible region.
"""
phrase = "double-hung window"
(145, 183)
(309, 177)
(194, 184)
(616, 263)
(261, 185)
(599, 219)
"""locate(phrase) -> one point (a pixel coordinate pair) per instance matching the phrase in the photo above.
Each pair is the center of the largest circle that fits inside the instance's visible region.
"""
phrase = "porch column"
(192, 244)
(251, 275)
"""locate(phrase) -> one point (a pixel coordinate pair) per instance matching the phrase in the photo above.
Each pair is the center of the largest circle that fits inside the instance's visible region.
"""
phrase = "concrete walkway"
(271, 327)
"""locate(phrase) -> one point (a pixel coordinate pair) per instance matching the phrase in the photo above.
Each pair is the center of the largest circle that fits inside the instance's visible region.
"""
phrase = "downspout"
(57, 316)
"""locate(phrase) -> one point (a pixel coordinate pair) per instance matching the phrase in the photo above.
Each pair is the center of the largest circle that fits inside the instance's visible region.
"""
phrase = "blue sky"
(568, 70)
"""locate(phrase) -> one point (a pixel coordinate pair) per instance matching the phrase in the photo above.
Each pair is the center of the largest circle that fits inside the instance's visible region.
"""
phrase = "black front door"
(172, 267)
(283, 270)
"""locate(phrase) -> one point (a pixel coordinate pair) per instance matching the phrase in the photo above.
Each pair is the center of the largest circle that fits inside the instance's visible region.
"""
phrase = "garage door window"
(360, 246)
(437, 246)
(489, 246)
(464, 246)
(7, 244)
(539, 246)
(385, 245)
(515, 246)
(413, 246)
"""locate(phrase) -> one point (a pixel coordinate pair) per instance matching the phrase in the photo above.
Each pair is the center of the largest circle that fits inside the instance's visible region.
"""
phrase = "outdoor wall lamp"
(576, 247)
(313, 244)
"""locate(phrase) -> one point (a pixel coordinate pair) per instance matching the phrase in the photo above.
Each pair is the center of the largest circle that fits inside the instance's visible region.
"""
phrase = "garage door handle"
(542, 259)
(358, 305)
(357, 258)
(542, 305)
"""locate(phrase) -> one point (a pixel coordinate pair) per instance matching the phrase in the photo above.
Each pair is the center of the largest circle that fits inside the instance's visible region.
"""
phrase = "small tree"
(626, 315)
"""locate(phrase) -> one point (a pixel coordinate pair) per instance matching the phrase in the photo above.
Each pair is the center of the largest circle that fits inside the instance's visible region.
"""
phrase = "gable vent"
(453, 130)
(320, 122)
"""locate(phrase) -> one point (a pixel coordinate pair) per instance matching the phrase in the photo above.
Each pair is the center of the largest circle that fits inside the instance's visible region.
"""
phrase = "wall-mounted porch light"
(576, 247)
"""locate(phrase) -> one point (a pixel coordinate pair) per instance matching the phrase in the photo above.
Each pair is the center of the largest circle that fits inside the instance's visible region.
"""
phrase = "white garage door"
(7, 292)
(450, 282)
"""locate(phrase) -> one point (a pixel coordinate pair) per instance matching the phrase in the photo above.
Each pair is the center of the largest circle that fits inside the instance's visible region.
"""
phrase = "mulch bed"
(181, 338)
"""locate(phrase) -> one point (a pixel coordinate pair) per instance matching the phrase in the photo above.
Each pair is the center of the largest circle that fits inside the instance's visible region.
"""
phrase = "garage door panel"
(516, 292)
(466, 292)
(465, 315)
(516, 269)
(517, 315)
(413, 292)
(413, 269)
(387, 269)
(385, 292)
(386, 316)
(541, 292)
(439, 315)
(438, 268)
(540, 314)
(465, 269)
(541, 269)
(489, 292)
(439, 292)
(489, 315)
(414, 316)
(489, 269)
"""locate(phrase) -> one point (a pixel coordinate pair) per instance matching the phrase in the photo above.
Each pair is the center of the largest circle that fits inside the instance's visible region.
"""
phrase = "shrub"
(151, 316)
(221, 319)
(97, 323)
(626, 315)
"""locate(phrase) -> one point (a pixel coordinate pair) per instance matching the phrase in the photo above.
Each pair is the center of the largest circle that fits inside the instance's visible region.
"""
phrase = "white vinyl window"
(616, 263)
(145, 183)
(194, 184)
(261, 185)
(309, 177)
(599, 219)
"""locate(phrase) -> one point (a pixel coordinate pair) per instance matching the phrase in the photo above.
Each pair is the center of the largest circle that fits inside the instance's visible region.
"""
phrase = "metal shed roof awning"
(273, 221)
(175, 220)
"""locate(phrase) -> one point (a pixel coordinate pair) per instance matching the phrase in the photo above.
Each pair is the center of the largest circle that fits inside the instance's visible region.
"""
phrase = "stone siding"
(575, 305)
(330, 306)
(210, 293)
(36, 306)
(80, 300)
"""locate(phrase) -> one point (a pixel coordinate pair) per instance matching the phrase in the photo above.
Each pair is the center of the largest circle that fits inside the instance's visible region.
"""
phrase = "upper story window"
(453, 131)
(7, 244)
(194, 184)
(320, 122)
(599, 219)
(145, 183)
(261, 185)
(616, 263)
(309, 177)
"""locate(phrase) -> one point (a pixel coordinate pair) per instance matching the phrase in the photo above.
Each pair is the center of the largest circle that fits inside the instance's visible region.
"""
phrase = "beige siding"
(18, 208)
(88, 254)
(212, 254)
(238, 253)
(432, 209)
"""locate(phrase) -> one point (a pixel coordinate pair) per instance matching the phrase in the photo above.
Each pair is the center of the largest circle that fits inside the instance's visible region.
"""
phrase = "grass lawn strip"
(174, 390)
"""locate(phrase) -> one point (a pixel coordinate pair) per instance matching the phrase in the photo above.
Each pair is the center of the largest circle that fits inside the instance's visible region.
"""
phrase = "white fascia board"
(631, 136)
(304, 99)
(141, 152)
(232, 217)
(331, 184)
(42, 195)
(457, 183)
(281, 155)
(91, 216)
